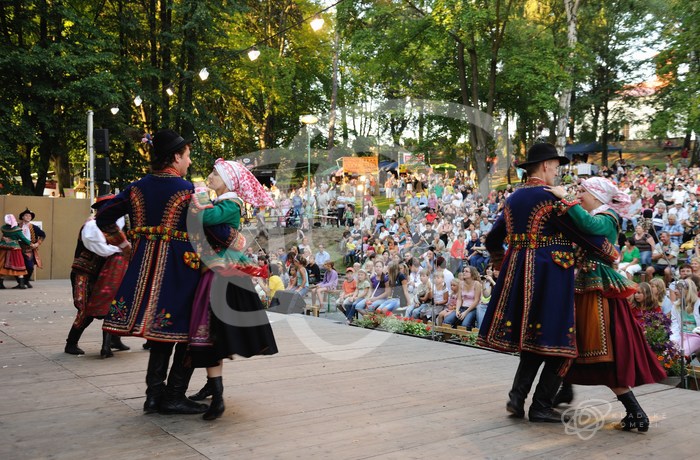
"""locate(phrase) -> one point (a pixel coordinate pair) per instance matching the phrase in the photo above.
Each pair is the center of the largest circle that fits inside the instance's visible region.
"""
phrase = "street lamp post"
(308, 120)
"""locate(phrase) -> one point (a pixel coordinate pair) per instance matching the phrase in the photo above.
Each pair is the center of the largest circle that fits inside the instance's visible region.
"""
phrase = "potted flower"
(657, 328)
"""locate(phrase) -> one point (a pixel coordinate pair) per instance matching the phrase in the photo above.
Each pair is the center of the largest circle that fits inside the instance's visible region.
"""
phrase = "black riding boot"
(204, 393)
(106, 351)
(174, 400)
(522, 383)
(73, 338)
(158, 361)
(636, 417)
(117, 344)
(565, 394)
(541, 408)
(216, 409)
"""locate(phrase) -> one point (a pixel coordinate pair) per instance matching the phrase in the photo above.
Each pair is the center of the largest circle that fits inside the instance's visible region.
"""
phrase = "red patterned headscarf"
(609, 195)
(242, 182)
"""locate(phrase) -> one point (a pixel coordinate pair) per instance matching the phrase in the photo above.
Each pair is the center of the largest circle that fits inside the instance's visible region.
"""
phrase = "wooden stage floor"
(333, 391)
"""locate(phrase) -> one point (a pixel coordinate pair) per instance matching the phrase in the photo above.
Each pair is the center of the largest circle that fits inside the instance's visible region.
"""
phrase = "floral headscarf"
(239, 180)
(607, 193)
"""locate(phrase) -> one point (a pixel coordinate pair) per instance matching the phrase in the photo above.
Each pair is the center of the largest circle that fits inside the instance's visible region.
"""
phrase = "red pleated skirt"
(633, 362)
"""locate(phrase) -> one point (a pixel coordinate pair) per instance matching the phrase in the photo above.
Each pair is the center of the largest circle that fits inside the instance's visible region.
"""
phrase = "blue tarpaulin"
(585, 149)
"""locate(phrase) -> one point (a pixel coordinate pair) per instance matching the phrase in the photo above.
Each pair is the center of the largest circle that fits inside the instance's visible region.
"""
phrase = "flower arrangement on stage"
(394, 324)
(657, 327)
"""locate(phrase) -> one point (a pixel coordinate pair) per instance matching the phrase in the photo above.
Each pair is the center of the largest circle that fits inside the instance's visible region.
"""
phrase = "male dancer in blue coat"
(532, 306)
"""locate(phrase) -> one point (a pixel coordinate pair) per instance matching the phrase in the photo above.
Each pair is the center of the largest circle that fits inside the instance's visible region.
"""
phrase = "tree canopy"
(508, 59)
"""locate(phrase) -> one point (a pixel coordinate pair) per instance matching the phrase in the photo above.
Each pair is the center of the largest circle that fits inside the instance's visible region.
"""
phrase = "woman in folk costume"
(612, 348)
(231, 320)
(11, 260)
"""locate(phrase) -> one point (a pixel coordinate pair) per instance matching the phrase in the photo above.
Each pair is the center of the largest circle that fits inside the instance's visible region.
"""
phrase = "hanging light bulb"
(114, 110)
(317, 23)
(204, 74)
(253, 54)
(169, 90)
(138, 101)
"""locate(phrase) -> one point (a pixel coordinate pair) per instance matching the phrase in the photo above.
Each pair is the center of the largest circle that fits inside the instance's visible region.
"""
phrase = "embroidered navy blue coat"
(532, 304)
(155, 298)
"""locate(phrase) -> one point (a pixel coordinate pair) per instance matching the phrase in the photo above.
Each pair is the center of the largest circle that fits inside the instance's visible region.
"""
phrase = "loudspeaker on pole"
(100, 138)
(102, 169)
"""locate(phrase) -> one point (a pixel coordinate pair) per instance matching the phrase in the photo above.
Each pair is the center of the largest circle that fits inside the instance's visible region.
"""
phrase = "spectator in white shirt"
(322, 256)
(679, 194)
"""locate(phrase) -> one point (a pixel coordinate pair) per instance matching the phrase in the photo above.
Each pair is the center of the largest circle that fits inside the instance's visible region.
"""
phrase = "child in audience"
(345, 298)
(423, 296)
(362, 293)
(660, 295)
(488, 281)
(440, 296)
(448, 316)
(642, 301)
(687, 319)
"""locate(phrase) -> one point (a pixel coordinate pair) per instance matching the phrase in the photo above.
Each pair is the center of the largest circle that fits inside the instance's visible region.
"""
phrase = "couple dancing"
(532, 306)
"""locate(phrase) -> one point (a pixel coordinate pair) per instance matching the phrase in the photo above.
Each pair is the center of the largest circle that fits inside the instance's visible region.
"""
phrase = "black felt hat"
(167, 141)
(26, 211)
(543, 152)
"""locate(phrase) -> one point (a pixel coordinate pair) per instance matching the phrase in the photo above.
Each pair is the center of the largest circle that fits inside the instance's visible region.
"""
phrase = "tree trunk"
(62, 172)
(334, 92)
(565, 96)
(604, 138)
(25, 167)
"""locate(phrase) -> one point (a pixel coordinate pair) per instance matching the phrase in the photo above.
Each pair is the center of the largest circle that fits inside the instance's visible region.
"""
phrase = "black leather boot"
(20, 283)
(2, 283)
(204, 393)
(522, 383)
(565, 394)
(174, 400)
(541, 408)
(636, 417)
(216, 409)
(117, 344)
(158, 361)
(106, 351)
(72, 341)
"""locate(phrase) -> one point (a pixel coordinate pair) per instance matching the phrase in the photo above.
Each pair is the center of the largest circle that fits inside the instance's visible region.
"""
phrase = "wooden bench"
(448, 332)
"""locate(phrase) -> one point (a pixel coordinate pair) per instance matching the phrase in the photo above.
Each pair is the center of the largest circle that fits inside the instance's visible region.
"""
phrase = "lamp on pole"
(308, 120)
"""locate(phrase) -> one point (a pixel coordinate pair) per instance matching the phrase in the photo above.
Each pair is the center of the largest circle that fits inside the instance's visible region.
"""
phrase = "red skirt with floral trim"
(12, 262)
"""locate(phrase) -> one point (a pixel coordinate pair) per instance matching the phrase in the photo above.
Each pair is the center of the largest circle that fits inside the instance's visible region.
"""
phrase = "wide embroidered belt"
(158, 233)
(533, 241)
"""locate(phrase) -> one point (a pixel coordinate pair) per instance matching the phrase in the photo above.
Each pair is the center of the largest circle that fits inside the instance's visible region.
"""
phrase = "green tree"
(679, 69)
